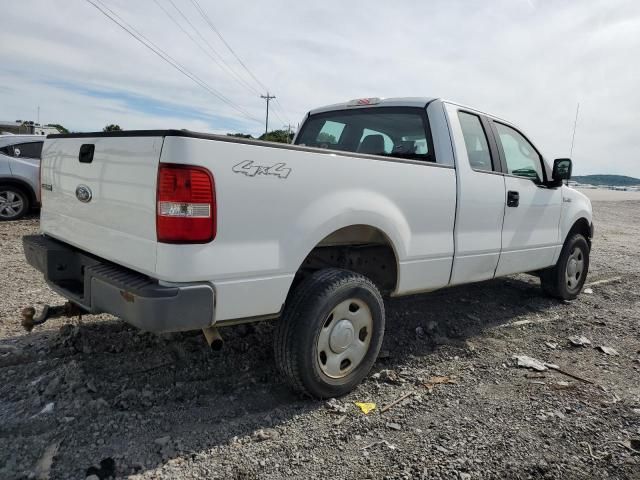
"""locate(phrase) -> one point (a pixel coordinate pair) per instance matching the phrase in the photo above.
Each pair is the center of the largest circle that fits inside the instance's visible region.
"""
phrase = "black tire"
(309, 309)
(556, 281)
(14, 195)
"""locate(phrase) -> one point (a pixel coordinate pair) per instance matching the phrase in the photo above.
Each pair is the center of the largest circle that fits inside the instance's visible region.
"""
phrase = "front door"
(530, 231)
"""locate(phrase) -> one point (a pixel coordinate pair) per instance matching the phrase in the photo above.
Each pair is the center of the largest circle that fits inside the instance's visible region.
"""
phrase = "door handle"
(513, 199)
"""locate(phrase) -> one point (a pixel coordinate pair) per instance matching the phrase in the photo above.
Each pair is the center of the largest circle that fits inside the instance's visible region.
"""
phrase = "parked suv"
(19, 174)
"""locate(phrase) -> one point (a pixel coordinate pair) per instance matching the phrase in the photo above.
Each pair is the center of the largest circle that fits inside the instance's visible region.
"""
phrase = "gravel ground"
(97, 397)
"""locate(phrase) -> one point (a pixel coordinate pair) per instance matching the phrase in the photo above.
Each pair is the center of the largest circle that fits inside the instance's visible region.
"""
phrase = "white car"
(19, 172)
(175, 230)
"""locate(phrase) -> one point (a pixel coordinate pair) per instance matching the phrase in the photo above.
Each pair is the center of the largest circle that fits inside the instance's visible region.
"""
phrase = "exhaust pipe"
(214, 339)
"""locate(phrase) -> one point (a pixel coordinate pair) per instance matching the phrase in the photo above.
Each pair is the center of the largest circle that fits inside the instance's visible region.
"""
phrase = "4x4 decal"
(248, 168)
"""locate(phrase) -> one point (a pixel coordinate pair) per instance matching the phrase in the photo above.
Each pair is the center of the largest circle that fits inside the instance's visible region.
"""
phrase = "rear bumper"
(99, 286)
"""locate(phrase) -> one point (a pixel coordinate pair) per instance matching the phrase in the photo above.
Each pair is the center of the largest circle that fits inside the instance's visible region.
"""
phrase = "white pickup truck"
(175, 230)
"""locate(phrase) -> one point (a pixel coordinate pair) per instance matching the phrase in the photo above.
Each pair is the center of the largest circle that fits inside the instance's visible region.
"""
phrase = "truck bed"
(275, 203)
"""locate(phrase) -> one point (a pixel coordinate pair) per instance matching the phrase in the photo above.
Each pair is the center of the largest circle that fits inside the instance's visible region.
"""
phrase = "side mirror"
(561, 169)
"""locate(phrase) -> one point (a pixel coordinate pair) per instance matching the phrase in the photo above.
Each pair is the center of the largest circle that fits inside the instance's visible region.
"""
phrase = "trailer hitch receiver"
(30, 320)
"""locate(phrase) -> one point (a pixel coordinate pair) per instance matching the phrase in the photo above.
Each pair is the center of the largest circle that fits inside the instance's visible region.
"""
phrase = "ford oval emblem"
(83, 193)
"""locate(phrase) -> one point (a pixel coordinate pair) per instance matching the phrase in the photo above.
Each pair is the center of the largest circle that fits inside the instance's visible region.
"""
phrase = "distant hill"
(616, 180)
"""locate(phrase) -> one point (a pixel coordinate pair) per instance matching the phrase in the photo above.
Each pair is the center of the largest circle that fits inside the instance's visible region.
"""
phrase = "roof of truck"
(378, 102)
(397, 102)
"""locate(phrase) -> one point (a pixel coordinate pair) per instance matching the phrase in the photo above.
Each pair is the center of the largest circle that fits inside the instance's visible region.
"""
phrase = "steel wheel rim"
(575, 268)
(11, 204)
(344, 338)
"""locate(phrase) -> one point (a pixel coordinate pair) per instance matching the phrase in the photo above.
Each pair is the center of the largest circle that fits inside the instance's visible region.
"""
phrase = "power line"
(166, 57)
(224, 63)
(217, 32)
(218, 59)
(206, 18)
(284, 112)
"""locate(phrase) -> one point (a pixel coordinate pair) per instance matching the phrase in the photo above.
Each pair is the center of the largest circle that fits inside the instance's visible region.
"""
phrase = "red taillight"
(186, 204)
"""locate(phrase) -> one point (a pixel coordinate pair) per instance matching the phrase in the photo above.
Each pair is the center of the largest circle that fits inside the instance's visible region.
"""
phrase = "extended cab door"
(530, 233)
(481, 197)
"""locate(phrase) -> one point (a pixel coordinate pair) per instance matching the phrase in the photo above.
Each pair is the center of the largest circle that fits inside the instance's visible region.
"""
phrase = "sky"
(528, 61)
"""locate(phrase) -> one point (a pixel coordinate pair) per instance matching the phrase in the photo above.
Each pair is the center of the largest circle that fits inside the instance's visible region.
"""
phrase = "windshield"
(388, 131)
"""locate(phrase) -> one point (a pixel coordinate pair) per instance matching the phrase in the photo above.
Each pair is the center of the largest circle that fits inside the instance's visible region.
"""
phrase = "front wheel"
(566, 279)
(330, 333)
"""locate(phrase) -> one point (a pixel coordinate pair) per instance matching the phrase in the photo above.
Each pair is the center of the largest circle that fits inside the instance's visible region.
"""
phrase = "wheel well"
(22, 185)
(359, 248)
(582, 227)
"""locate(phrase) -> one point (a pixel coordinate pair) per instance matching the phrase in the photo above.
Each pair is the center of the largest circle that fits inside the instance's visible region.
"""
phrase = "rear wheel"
(566, 278)
(330, 333)
(14, 203)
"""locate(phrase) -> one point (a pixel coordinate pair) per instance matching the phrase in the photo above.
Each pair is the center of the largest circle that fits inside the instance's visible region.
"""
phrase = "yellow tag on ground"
(365, 406)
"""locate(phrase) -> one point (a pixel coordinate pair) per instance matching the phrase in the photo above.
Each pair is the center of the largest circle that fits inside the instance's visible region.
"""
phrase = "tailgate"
(103, 203)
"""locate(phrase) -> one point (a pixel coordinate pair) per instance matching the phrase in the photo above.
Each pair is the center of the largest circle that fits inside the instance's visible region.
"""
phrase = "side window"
(28, 150)
(8, 150)
(521, 158)
(475, 139)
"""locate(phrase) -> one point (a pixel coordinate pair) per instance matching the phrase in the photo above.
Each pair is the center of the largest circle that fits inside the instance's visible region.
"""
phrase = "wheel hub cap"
(342, 336)
(575, 268)
(571, 268)
(344, 339)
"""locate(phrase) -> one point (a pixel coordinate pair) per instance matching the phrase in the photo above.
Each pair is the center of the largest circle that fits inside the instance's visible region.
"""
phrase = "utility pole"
(268, 98)
(288, 127)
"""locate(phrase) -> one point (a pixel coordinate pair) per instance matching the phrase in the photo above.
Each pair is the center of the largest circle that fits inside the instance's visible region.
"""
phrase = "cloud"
(529, 62)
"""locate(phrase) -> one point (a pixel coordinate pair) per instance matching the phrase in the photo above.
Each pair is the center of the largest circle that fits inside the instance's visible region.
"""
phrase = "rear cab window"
(398, 132)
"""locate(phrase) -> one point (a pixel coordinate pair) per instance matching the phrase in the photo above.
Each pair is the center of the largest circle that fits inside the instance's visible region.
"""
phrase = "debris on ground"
(560, 385)
(607, 350)
(519, 323)
(365, 407)
(551, 345)
(340, 419)
(162, 441)
(388, 376)
(603, 281)
(524, 361)
(380, 442)
(395, 402)
(394, 426)
(266, 434)
(568, 374)
(47, 409)
(42, 470)
(588, 291)
(579, 341)
(437, 380)
(335, 406)
(107, 469)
